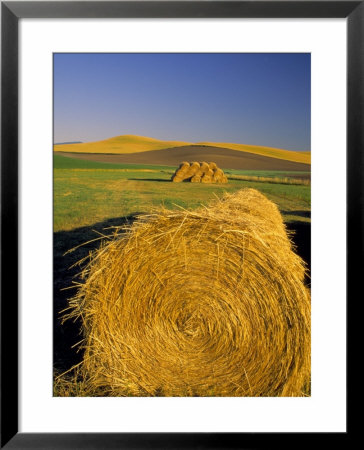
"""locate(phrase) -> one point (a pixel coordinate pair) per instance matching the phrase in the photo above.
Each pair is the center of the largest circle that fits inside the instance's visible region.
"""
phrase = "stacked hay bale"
(196, 172)
(219, 176)
(210, 302)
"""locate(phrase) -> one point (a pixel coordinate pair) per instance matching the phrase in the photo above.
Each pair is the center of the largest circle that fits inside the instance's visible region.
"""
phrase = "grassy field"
(90, 196)
(135, 144)
(88, 192)
(62, 162)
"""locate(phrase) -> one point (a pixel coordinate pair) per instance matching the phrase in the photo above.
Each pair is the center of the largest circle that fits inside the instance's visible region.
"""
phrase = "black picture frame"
(11, 12)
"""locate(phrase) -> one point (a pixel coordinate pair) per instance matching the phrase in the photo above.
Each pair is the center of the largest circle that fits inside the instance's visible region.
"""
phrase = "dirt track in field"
(223, 157)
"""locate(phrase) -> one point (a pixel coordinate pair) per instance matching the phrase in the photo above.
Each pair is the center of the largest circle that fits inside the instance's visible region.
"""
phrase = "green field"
(90, 197)
(87, 192)
(63, 162)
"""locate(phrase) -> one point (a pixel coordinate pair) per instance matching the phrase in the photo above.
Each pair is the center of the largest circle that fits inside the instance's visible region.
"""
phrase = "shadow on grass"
(301, 237)
(297, 213)
(67, 335)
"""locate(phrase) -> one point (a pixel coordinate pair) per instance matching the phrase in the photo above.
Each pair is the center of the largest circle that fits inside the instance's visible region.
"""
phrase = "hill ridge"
(224, 158)
(127, 144)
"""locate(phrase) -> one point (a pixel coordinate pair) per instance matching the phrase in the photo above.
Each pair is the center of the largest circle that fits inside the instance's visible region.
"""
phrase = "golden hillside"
(288, 155)
(120, 144)
(135, 144)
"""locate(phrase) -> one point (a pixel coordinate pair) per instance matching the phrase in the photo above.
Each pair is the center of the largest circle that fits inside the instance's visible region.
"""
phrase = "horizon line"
(177, 140)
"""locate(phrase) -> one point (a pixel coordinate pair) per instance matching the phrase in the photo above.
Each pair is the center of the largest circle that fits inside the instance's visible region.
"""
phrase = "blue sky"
(256, 98)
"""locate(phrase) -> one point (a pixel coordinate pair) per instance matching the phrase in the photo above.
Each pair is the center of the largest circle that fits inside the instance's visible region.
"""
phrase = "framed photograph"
(181, 191)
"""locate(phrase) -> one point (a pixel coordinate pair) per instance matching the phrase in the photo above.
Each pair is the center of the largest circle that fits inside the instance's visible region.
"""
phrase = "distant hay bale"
(202, 172)
(210, 302)
(204, 167)
(218, 173)
(184, 167)
(219, 176)
(207, 177)
(181, 171)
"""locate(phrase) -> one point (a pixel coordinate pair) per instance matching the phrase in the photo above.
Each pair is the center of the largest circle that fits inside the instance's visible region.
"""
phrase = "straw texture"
(210, 302)
(199, 173)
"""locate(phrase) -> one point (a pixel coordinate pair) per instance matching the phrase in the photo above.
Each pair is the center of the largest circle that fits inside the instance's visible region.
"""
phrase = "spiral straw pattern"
(210, 302)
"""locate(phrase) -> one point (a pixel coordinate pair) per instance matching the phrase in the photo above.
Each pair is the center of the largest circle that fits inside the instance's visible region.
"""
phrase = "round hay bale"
(187, 173)
(207, 177)
(218, 172)
(194, 167)
(184, 165)
(204, 167)
(179, 174)
(210, 302)
(200, 172)
(219, 176)
(177, 178)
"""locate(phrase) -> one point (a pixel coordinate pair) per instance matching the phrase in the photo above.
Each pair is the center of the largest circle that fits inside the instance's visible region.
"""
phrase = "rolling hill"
(120, 145)
(288, 155)
(130, 144)
(223, 157)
